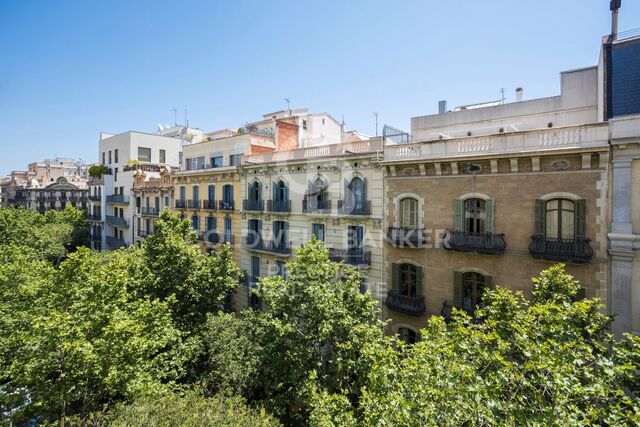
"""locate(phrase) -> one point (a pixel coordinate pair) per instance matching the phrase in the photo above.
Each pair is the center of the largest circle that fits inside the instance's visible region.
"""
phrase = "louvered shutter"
(581, 217)
(539, 216)
(458, 223)
(489, 211)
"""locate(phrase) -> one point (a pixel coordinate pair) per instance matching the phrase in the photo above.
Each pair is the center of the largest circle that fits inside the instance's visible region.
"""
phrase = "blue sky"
(71, 69)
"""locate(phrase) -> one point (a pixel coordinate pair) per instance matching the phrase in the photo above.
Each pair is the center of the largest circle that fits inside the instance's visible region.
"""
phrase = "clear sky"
(71, 69)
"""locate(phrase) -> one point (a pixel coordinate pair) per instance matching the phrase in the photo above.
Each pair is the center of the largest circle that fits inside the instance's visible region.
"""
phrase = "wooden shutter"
(539, 216)
(581, 217)
(419, 282)
(395, 276)
(489, 207)
(458, 210)
(457, 289)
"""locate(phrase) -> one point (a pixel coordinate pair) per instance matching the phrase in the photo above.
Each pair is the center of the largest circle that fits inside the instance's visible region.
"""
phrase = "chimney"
(442, 107)
(519, 94)
(614, 5)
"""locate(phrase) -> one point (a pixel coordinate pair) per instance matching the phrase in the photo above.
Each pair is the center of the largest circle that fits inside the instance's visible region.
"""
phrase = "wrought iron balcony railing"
(279, 205)
(356, 257)
(255, 243)
(414, 306)
(226, 205)
(406, 237)
(350, 208)
(114, 242)
(209, 204)
(118, 199)
(577, 249)
(96, 217)
(116, 221)
(316, 206)
(148, 211)
(181, 204)
(193, 204)
(252, 205)
(95, 197)
(483, 243)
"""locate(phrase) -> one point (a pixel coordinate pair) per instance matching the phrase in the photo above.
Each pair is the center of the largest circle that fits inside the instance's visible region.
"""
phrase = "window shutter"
(395, 276)
(347, 193)
(539, 216)
(285, 193)
(419, 282)
(489, 212)
(457, 289)
(458, 224)
(581, 217)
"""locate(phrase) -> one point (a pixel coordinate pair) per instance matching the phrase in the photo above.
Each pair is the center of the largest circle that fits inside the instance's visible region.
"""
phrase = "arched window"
(409, 336)
(473, 286)
(358, 192)
(254, 191)
(409, 212)
(474, 216)
(280, 191)
(227, 193)
(560, 219)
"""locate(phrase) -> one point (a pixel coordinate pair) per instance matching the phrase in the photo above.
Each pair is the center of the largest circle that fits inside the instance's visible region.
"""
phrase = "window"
(103, 160)
(409, 336)
(217, 162)
(317, 230)
(560, 216)
(318, 195)
(355, 237)
(469, 288)
(195, 163)
(195, 222)
(254, 231)
(115, 174)
(356, 193)
(227, 193)
(255, 271)
(183, 193)
(280, 192)
(211, 192)
(109, 156)
(227, 229)
(156, 202)
(166, 201)
(254, 191)
(304, 124)
(280, 233)
(474, 216)
(144, 154)
(408, 280)
(146, 201)
(409, 212)
(163, 156)
(195, 191)
(234, 159)
(281, 269)
(211, 223)
(115, 155)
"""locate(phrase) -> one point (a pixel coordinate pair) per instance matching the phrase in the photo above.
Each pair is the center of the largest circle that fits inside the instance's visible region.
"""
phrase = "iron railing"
(279, 205)
(150, 211)
(116, 221)
(255, 243)
(209, 204)
(193, 204)
(181, 204)
(316, 206)
(414, 306)
(483, 243)
(226, 205)
(253, 205)
(406, 237)
(351, 256)
(349, 208)
(577, 249)
(118, 199)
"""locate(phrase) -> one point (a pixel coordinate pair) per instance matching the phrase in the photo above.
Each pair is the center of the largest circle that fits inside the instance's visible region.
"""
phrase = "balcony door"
(474, 216)
(355, 238)
(280, 234)
(254, 191)
(357, 193)
(227, 193)
(211, 190)
(254, 231)
(227, 229)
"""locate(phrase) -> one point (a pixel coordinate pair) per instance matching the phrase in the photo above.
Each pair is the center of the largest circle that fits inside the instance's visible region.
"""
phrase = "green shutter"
(458, 210)
(581, 217)
(395, 277)
(539, 216)
(457, 289)
(489, 210)
(419, 281)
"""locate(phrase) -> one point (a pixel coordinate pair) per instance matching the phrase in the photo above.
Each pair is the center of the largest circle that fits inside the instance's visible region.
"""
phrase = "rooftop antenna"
(288, 105)
(502, 97)
(175, 116)
(375, 114)
(614, 6)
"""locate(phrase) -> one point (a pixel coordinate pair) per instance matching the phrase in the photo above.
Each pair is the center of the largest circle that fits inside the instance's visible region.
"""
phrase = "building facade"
(153, 192)
(492, 195)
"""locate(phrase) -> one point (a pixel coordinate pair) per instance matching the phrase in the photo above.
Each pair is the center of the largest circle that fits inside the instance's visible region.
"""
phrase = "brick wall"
(286, 136)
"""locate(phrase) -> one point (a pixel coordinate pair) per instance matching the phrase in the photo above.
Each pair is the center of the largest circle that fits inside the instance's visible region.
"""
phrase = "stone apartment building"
(152, 192)
(491, 195)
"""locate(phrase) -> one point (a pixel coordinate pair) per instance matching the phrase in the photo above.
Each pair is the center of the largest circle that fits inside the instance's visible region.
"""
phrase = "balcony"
(355, 257)
(316, 206)
(279, 205)
(406, 237)
(95, 198)
(349, 208)
(91, 217)
(226, 205)
(482, 243)
(209, 204)
(147, 211)
(413, 306)
(118, 199)
(250, 205)
(116, 221)
(114, 242)
(254, 243)
(181, 204)
(567, 250)
(193, 204)
(95, 238)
